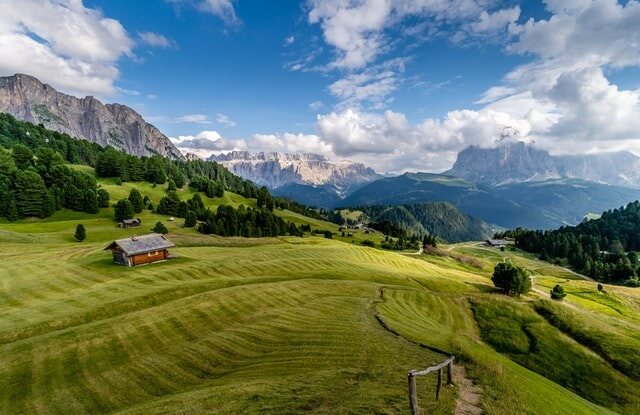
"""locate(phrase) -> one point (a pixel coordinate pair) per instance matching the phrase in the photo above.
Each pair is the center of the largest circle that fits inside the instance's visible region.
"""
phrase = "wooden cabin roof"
(141, 244)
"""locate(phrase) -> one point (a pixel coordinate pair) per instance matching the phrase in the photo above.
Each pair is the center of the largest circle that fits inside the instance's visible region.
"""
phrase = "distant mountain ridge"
(519, 162)
(278, 170)
(28, 99)
(535, 205)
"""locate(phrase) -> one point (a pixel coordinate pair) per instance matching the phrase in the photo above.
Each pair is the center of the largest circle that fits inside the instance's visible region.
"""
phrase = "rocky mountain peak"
(28, 99)
(518, 162)
(275, 170)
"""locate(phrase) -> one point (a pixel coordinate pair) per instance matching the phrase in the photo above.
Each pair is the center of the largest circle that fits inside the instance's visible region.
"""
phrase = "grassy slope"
(282, 325)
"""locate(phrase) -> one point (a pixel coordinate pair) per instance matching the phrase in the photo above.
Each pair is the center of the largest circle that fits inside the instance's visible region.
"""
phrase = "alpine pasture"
(289, 325)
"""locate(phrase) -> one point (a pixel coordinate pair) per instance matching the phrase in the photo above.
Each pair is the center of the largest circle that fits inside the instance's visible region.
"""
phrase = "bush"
(512, 279)
(368, 243)
(557, 293)
(328, 234)
(632, 282)
(81, 233)
(160, 228)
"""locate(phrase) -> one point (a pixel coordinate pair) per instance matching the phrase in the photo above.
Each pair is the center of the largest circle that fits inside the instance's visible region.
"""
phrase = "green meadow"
(294, 325)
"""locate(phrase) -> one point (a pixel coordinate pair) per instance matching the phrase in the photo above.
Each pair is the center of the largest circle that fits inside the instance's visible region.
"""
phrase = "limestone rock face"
(28, 99)
(519, 162)
(275, 170)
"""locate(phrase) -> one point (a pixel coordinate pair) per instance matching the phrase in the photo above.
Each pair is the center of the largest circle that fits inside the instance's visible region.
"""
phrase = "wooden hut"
(140, 250)
(130, 223)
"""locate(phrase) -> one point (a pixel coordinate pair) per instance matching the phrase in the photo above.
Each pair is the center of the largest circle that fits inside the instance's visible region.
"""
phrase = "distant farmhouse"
(140, 250)
(497, 243)
(130, 223)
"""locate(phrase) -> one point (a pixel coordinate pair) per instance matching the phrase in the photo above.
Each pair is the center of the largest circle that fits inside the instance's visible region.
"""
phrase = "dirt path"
(468, 401)
(584, 277)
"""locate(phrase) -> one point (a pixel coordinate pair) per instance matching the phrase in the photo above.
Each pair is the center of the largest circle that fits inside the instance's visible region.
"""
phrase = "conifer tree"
(81, 233)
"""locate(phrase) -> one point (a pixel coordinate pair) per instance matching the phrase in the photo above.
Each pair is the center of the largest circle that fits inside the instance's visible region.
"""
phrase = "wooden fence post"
(411, 378)
(413, 394)
(439, 385)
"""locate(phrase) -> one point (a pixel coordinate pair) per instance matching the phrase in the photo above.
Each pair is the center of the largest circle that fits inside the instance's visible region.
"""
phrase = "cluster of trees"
(604, 249)
(511, 279)
(34, 181)
(400, 244)
(37, 183)
(246, 222)
(109, 162)
(440, 218)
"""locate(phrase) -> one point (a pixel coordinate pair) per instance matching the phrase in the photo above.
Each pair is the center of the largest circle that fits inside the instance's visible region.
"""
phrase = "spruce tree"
(81, 233)
(123, 210)
(160, 228)
(190, 219)
(136, 200)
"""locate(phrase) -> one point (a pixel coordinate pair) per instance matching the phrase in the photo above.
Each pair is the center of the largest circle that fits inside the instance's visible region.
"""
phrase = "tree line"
(38, 183)
(112, 163)
(604, 249)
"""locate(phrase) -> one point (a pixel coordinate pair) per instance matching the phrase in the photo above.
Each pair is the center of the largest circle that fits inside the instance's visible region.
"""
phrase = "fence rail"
(413, 374)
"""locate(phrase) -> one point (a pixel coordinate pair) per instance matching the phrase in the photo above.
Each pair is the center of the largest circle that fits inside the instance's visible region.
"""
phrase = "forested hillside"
(439, 219)
(35, 181)
(605, 248)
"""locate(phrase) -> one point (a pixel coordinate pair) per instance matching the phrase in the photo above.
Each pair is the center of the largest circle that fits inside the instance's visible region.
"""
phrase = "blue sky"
(399, 85)
(243, 70)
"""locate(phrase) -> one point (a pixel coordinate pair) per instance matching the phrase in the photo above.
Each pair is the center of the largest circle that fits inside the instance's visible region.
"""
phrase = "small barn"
(130, 223)
(140, 250)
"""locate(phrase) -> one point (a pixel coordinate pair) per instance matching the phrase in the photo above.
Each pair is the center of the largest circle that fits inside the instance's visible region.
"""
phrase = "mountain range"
(545, 204)
(519, 162)
(281, 170)
(512, 185)
(28, 99)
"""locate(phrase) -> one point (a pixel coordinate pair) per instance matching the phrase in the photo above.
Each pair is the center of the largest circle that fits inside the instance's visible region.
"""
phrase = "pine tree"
(30, 193)
(103, 198)
(81, 233)
(190, 219)
(136, 200)
(160, 228)
(123, 210)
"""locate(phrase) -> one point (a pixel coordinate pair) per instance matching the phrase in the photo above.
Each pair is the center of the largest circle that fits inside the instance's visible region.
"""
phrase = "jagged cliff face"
(279, 169)
(27, 99)
(517, 162)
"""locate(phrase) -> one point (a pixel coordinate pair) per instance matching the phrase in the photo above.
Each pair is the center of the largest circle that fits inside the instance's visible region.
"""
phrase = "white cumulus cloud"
(63, 43)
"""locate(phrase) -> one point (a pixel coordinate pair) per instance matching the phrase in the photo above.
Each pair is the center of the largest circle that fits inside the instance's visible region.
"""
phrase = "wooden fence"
(413, 392)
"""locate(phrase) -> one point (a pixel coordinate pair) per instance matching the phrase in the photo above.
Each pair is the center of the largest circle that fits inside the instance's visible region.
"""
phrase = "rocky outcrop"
(276, 170)
(28, 99)
(519, 162)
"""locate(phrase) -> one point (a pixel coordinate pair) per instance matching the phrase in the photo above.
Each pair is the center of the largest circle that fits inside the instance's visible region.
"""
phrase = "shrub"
(368, 243)
(328, 234)
(512, 279)
(557, 293)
